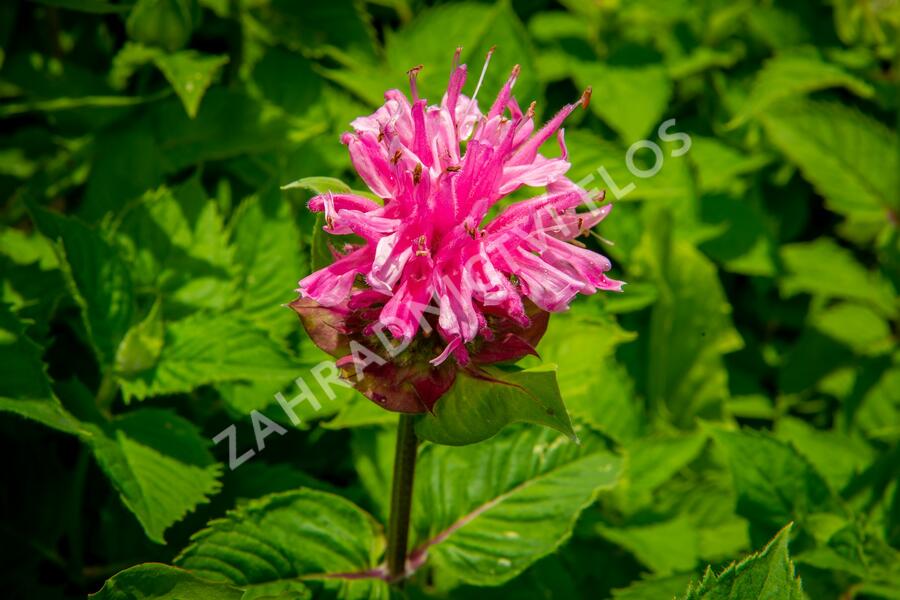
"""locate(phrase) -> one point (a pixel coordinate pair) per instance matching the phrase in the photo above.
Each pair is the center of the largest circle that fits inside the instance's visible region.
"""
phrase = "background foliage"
(748, 377)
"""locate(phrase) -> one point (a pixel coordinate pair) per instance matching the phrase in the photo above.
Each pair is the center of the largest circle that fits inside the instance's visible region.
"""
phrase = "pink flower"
(428, 261)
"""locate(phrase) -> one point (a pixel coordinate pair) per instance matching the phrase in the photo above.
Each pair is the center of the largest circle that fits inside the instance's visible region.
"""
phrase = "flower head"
(430, 261)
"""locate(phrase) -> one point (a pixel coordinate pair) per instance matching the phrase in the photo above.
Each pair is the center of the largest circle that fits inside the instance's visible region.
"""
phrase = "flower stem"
(401, 496)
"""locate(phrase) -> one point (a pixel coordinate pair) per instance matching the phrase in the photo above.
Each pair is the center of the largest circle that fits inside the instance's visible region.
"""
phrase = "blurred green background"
(146, 250)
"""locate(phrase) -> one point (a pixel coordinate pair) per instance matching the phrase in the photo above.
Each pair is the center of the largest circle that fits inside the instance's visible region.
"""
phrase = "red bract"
(430, 271)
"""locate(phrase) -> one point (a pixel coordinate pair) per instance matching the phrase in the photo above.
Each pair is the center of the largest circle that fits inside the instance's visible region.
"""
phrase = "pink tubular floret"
(439, 170)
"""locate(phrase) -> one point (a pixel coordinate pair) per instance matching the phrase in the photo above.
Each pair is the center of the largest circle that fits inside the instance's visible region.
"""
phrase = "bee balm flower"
(431, 270)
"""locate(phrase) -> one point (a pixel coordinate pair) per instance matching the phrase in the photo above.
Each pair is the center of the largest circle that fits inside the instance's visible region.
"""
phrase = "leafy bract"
(479, 405)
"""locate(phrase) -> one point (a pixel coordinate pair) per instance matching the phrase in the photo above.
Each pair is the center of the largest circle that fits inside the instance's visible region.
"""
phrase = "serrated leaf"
(160, 465)
(204, 349)
(850, 158)
(267, 253)
(177, 242)
(795, 74)
(98, 279)
(303, 535)
(475, 28)
(837, 457)
(774, 483)
(190, 73)
(768, 574)
(485, 513)
(25, 388)
(823, 268)
(630, 99)
(154, 581)
(478, 406)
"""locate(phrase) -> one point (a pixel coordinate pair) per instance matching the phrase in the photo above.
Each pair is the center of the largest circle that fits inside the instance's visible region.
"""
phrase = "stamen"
(413, 88)
(396, 157)
(529, 114)
(487, 61)
(585, 97)
(456, 56)
(453, 168)
(417, 173)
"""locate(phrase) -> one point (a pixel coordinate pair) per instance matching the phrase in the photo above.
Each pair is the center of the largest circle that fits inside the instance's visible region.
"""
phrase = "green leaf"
(823, 268)
(879, 414)
(204, 349)
(856, 326)
(179, 247)
(26, 249)
(487, 512)
(164, 23)
(654, 460)
(341, 28)
(267, 254)
(655, 588)
(318, 185)
(630, 99)
(690, 330)
(142, 344)
(478, 406)
(746, 244)
(98, 279)
(76, 103)
(838, 458)
(774, 483)
(25, 388)
(303, 535)
(89, 6)
(666, 547)
(153, 581)
(475, 28)
(719, 165)
(129, 59)
(360, 412)
(767, 574)
(160, 465)
(598, 391)
(190, 73)
(850, 158)
(795, 74)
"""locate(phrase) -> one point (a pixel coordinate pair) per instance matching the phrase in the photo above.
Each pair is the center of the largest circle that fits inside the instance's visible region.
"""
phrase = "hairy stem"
(401, 497)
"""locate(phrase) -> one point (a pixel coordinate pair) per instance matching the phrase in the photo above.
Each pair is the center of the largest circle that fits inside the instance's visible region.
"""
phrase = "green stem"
(106, 393)
(401, 497)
